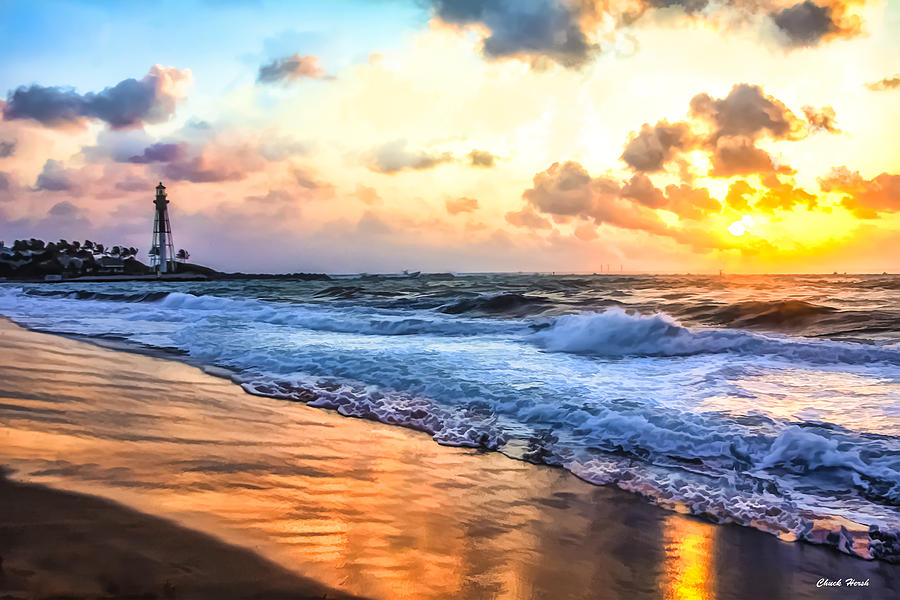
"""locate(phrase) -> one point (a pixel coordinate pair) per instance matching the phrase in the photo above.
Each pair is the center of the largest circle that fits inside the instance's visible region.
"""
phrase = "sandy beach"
(196, 483)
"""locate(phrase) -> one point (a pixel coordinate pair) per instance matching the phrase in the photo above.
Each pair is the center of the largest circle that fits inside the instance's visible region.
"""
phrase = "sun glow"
(739, 228)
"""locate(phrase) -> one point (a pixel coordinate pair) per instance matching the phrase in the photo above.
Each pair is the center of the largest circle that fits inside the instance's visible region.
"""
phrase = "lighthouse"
(162, 251)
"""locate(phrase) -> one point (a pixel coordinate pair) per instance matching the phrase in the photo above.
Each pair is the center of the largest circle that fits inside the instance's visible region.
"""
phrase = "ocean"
(771, 402)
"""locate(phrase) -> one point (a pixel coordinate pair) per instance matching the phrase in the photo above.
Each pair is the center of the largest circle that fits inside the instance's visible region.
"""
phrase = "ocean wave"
(89, 295)
(776, 314)
(498, 304)
(618, 333)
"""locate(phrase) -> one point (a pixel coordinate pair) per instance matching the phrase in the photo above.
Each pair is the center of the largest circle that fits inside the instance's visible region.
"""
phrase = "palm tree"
(183, 255)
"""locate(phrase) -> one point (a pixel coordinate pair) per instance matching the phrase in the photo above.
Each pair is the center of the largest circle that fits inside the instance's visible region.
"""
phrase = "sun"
(741, 227)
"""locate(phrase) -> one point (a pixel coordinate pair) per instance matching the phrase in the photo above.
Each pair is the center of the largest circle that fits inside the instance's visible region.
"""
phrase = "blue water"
(771, 402)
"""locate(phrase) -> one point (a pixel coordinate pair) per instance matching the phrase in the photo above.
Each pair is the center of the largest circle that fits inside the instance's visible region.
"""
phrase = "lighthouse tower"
(162, 251)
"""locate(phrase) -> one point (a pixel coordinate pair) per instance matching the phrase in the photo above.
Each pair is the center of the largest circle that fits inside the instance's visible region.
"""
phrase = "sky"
(749, 136)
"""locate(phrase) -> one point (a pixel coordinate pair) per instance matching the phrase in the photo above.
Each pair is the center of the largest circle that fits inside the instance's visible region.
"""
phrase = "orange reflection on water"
(689, 551)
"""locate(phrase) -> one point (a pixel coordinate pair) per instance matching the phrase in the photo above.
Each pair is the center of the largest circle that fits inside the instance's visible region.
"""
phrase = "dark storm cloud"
(888, 83)
(159, 152)
(129, 103)
(531, 28)
(7, 148)
(481, 158)
(655, 145)
(54, 178)
(394, 156)
(805, 24)
(290, 68)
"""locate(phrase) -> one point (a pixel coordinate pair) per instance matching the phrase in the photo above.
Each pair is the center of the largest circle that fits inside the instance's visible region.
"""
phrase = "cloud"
(481, 158)
(278, 149)
(565, 31)
(821, 119)
(309, 183)
(64, 209)
(135, 184)
(130, 103)
(865, 198)
(737, 155)
(4, 182)
(736, 198)
(54, 178)
(781, 195)
(809, 23)
(160, 152)
(727, 129)
(528, 219)
(7, 148)
(641, 189)
(654, 146)
(747, 111)
(519, 28)
(367, 195)
(563, 189)
(201, 169)
(567, 190)
(461, 205)
(745, 115)
(214, 161)
(291, 68)
(689, 202)
(689, 6)
(805, 24)
(394, 156)
(883, 85)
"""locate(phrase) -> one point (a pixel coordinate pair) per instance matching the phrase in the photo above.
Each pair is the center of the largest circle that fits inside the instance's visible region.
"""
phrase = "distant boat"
(412, 275)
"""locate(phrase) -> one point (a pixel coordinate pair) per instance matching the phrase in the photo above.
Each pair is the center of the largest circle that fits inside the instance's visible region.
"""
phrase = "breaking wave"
(617, 333)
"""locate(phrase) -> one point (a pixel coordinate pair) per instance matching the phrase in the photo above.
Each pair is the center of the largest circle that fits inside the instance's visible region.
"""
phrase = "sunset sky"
(460, 135)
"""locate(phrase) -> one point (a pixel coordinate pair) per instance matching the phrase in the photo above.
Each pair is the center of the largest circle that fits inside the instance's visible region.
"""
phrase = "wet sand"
(366, 508)
(60, 544)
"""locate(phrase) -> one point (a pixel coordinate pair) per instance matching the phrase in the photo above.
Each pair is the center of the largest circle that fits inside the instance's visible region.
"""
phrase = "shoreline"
(833, 532)
(375, 509)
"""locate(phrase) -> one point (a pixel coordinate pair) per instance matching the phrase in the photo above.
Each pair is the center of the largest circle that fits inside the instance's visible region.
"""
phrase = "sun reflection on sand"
(689, 547)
